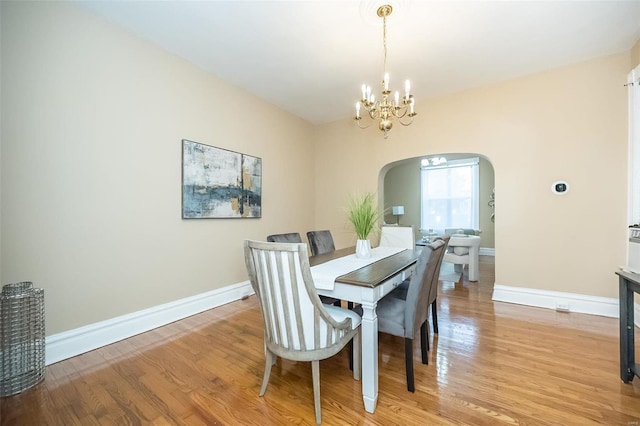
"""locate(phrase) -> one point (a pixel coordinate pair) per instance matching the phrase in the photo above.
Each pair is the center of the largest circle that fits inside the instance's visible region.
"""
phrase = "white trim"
(633, 85)
(582, 303)
(487, 251)
(80, 340)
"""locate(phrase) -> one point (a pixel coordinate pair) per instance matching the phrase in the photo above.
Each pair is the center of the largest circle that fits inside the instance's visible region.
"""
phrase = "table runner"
(325, 274)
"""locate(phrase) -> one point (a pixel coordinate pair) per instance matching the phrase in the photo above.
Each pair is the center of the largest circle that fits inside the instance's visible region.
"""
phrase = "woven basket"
(22, 338)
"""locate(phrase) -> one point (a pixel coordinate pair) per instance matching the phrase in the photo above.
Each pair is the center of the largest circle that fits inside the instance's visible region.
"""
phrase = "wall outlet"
(562, 306)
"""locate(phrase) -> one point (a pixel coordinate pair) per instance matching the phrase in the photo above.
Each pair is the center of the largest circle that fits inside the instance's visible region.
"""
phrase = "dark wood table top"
(371, 275)
(336, 254)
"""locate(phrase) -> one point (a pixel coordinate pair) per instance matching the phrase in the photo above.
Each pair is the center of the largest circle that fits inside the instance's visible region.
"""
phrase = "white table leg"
(474, 252)
(369, 333)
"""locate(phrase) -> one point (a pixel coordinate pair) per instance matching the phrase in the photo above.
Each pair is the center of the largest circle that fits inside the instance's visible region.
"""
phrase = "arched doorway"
(399, 185)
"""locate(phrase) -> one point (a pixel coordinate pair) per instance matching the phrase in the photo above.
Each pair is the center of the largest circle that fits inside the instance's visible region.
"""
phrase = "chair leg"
(408, 359)
(269, 361)
(315, 371)
(351, 355)
(434, 315)
(357, 345)
(424, 342)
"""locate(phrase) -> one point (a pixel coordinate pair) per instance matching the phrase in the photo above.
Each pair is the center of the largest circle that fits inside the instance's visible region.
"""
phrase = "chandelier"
(385, 110)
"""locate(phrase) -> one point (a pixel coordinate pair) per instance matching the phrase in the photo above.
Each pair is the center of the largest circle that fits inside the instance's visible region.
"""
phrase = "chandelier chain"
(384, 40)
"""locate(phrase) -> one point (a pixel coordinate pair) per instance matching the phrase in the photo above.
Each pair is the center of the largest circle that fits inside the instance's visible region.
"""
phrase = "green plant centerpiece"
(363, 215)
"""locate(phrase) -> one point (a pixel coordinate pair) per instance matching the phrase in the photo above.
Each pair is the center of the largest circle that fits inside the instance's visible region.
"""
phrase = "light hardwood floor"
(492, 363)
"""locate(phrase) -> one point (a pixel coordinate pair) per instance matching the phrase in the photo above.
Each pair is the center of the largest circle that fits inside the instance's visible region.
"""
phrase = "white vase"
(363, 249)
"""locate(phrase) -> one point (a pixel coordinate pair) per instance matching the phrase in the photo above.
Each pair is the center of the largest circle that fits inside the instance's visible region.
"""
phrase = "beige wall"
(92, 122)
(402, 188)
(569, 123)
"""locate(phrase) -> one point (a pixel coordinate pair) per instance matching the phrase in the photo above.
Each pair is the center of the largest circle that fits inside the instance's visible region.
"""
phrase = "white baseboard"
(582, 303)
(84, 339)
(487, 251)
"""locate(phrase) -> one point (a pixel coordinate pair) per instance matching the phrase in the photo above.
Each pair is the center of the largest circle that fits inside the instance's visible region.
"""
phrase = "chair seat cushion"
(454, 258)
(460, 251)
(340, 314)
(391, 314)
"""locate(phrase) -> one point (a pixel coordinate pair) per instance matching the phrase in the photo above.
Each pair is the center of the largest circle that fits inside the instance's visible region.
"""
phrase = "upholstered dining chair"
(290, 237)
(433, 295)
(398, 236)
(320, 242)
(403, 317)
(400, 292)
(297, 326)
(294, 237)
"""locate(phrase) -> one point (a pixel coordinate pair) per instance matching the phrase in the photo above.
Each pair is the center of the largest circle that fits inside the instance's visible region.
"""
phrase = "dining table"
(364, 285)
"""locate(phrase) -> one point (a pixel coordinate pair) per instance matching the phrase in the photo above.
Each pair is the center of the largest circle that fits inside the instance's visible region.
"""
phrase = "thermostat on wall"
(560, 187)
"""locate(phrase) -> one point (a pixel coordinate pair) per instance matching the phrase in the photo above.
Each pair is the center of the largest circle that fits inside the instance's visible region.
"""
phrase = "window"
(449, 194)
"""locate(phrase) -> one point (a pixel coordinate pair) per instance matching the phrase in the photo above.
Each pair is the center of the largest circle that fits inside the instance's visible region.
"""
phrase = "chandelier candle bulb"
(385, 82)
(357, 110)
(407, 89)
(397, 98)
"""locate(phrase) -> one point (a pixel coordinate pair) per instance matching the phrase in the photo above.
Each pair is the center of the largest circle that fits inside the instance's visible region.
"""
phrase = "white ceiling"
(311, 57)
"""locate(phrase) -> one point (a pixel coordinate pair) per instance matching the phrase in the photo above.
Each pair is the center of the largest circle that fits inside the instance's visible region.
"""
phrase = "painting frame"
(218, 183)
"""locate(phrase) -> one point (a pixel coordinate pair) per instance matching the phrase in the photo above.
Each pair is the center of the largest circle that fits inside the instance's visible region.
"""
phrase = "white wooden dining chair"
(294, 237)
(297, 326)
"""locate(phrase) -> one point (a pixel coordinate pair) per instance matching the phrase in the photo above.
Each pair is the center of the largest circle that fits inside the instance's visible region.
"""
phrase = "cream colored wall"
(569, 123)
(92, 122)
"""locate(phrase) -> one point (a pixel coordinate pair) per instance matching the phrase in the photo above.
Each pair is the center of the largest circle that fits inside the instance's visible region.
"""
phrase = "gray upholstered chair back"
(320, 242)
(291, 237)
(433, 294)
(417, 302)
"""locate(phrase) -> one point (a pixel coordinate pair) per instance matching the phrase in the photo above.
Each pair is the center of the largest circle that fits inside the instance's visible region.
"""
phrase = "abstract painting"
(218, 183)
